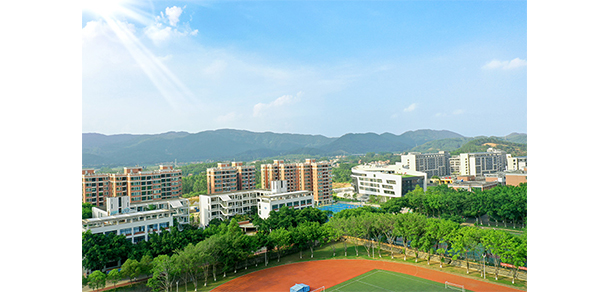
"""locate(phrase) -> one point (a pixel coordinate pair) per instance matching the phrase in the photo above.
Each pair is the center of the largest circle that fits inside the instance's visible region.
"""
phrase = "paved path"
(329, 273)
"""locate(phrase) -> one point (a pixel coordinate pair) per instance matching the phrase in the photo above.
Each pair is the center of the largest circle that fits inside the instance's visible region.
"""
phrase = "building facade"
(136, 221)
(278, 197)
(95, 187)
(481, 163)
(516, 177)
(470, 185)
(433, 164)
(138, 185)
(390, 181)
(308, 176)
(516, 163)
(230, 177)
(225, 205)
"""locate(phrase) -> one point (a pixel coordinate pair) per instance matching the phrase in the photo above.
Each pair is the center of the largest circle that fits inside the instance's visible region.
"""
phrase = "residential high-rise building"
(133, 182)
(95, 187)
(481, 163)
(433, 164)
(308, 176)
(231, 177)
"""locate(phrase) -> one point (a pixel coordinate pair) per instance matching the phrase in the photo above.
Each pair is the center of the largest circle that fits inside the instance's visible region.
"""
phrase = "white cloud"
(159, 32)
(458, 111)
(229, 117)
(505, 65)
(173, 15)
(410, 108)
(99, 28)
(260, 109)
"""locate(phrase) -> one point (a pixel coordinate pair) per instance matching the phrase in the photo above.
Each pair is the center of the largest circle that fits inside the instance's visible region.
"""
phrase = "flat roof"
(284, 194)
(124, 216)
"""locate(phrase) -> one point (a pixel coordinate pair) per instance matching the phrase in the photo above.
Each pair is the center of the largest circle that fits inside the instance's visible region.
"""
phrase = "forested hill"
(513, 143)
(119, 150)
(482, 144)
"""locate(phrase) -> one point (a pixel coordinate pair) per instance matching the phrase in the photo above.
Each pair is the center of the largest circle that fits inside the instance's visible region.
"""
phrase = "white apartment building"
(481, 163)
(430, 163)
(279, 197)
(225, 205)
(136, 221)
(391, 181)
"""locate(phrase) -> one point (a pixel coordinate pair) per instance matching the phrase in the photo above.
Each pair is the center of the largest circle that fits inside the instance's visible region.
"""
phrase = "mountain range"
(99, 150)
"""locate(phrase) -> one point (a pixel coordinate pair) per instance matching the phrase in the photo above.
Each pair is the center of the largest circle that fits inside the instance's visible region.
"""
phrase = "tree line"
(431, 236)
(221, 246)
(502, 203)
(172, 257)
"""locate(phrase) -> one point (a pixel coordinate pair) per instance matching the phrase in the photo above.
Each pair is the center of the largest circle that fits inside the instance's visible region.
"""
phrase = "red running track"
(329, 273)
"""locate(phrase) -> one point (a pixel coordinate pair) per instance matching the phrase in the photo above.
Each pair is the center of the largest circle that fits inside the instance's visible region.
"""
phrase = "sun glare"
(104, 7)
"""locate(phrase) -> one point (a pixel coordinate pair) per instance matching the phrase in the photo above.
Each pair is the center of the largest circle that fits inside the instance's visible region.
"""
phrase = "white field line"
(338, 288)
(417, 279)
(373, 285)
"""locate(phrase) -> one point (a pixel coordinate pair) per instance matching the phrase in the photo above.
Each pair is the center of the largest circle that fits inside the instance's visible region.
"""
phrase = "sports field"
(381, 280)
(333, 274)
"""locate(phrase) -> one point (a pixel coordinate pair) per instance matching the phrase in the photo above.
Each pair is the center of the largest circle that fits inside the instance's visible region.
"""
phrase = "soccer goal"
(321, 289)
(454, 286)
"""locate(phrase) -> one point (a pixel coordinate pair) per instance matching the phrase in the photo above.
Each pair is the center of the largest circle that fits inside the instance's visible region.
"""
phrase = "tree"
(281, 239)
(85, 281)
(340, 229)
(146, 265)
(188, 264)
(494, 241)
(131, 269)
(164, 273)
(212, 248)
(97, 280)
(99, 249)
(385, 224)
(87, 210)
(463, 240)
(313, 233)
(412, 227)
(514, 252)
(299, 238)
(114, 276)
(330, 234)
(443, 234)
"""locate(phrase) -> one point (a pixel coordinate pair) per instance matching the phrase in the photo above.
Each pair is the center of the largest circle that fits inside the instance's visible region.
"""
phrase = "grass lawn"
(380, 280)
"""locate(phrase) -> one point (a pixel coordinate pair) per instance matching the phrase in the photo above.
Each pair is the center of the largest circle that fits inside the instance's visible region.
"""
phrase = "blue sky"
(311, 67)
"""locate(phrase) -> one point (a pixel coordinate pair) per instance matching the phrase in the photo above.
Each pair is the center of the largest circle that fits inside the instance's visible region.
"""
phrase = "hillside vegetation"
(482, 144)
(227, 144)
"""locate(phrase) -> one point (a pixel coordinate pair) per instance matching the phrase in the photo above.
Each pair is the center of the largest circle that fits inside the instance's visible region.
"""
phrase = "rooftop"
(124, 216)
